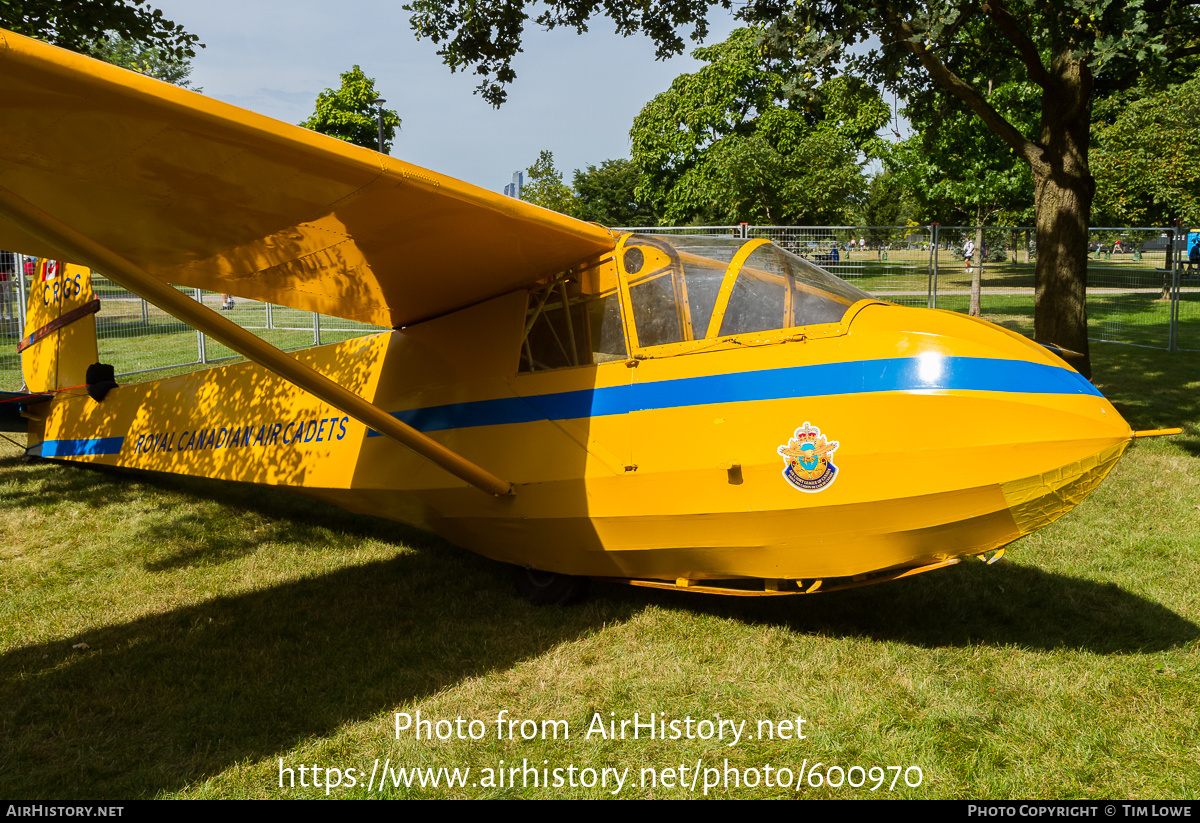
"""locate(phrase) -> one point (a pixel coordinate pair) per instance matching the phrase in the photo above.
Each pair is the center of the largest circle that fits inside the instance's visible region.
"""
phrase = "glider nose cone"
(998, 409)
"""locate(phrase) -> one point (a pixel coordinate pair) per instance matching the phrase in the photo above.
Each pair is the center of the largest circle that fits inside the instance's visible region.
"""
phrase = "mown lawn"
(168, 637)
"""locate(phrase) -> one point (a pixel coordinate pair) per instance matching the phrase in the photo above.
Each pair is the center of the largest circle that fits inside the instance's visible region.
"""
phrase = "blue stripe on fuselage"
(80, 448)
(912, 374)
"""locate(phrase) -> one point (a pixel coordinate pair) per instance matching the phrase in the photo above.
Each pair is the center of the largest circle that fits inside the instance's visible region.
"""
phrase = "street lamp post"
(378, 102)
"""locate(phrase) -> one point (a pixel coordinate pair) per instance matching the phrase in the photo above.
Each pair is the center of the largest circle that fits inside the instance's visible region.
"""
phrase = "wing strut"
(85, 250)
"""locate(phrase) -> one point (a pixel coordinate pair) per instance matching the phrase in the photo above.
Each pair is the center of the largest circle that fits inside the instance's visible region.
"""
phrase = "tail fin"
(60, 327)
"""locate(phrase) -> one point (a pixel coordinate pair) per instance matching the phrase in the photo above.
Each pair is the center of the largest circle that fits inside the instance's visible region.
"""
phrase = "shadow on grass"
(171, 699)
(971, 604)
(168, 700)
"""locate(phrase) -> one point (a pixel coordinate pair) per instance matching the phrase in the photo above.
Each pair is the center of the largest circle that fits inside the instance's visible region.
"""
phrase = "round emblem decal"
(807, 458)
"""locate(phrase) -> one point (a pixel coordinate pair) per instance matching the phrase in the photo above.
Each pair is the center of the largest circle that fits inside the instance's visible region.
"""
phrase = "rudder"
(60, 327)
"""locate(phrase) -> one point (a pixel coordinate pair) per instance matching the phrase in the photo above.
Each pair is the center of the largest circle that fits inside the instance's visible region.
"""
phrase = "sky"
(575, 95)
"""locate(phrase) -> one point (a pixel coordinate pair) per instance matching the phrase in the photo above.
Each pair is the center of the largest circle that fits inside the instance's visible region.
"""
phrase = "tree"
(1072, 51)
(732, 143)
(951, 159)
(1147, 162)
(606, 195)
(85, 25)
(350, 113)
(890, 202)
(546, 187)
(488, 36)
(148, 60)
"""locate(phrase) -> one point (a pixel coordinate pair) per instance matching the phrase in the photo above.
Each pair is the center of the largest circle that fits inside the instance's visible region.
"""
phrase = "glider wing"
(200, 193)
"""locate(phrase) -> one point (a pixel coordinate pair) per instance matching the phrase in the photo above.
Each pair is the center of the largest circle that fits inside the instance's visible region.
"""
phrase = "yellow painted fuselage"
(953, 437)
(681, 409)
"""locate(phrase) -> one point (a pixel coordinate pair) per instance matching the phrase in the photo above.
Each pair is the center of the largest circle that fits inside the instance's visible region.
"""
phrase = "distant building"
(513, 189)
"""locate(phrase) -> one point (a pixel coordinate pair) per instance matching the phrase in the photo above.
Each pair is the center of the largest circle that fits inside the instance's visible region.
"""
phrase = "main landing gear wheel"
(549, 588)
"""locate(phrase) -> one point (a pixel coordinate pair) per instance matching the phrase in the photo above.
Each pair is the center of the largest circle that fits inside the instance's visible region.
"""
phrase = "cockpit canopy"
(693, 288)
(666, 293)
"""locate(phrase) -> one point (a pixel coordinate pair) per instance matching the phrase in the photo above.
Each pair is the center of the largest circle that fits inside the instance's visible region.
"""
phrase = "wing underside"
(200, 193)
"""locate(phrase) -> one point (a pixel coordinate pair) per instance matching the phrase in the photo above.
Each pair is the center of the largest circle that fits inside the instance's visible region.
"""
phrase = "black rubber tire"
(549, 588)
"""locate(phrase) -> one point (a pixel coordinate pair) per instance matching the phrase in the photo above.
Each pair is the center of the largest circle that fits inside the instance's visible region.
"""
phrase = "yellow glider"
(200, 193)
(701, 413)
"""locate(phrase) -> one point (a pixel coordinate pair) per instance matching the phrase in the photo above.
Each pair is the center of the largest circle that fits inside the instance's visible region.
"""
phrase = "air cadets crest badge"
(807, 461)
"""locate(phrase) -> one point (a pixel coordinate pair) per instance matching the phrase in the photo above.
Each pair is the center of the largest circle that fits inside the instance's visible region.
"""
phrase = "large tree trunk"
(1064, 189)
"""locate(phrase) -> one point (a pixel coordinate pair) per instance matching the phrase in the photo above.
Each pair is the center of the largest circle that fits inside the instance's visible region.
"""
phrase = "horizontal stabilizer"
(11, 406)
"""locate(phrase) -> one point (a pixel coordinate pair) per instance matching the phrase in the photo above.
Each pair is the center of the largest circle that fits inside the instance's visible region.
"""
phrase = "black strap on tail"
(101, 379)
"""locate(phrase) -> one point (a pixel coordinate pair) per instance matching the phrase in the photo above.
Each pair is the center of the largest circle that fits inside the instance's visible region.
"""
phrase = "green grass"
(228, 629)
(140, 341)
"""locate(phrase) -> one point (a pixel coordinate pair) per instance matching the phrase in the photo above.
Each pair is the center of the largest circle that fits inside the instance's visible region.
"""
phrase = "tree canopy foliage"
(607, 195)
(544, 186)
(962, 172)
(729, 143)
(349, 113)
(1147, 162)
(1072, 51)
(603, 195)
(485, 37)
(85, 25)
(148, 60)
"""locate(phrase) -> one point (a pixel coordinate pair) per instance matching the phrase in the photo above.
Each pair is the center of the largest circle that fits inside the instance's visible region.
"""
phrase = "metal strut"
(83, 249)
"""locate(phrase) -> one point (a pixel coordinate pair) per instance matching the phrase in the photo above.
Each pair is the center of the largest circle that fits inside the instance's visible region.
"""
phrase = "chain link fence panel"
(1143, 290)
(891, 262)
(998, 275)
(1186, 302)
(1130, 275)
(140, 340)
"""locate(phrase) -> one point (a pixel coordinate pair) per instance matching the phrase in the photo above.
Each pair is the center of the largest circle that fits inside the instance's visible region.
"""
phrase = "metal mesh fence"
(893, 263)
(1185, 301)
(1188, 318)
(140, 340)
(1130, 295)
(1129, 285)
(1142, 290)
(1000, 268)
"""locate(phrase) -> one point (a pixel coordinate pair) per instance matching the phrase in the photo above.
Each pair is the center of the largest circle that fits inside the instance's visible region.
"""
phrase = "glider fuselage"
(888, 440)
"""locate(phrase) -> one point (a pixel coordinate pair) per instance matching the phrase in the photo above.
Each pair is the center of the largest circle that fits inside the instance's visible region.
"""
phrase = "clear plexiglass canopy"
(675, 284)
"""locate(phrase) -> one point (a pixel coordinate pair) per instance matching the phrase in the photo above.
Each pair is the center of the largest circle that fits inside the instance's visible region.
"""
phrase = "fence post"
(270, 317)
(201, 345)
(316, 329)
(145, 313)
(931, 294)
(20, 297)
(1173, 313)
